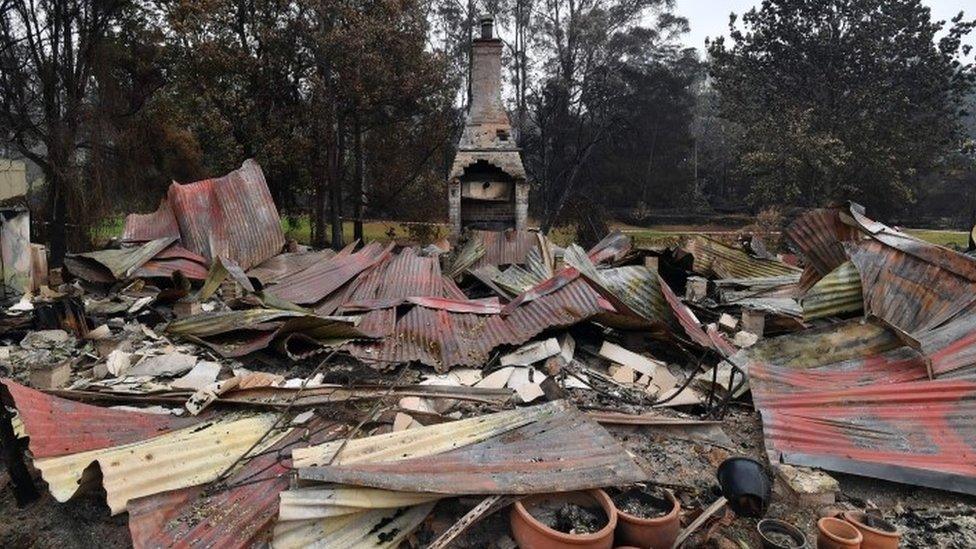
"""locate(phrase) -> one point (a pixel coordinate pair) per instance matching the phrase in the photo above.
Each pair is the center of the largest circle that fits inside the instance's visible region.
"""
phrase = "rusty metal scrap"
(231, 216)
(561, 450)
(866, 407)
(318, 281)
(819, 235)
(113, 265)
(712, 258)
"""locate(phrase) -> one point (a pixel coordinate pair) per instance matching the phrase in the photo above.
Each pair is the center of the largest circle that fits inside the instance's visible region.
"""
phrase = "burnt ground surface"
(686, 462)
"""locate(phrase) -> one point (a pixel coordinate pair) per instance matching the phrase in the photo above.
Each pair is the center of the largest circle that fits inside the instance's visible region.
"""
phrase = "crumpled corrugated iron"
(231, 216)
(716, 260)
(58, 426)
(376, 529)
(172, 259)
(145, 227)
(838, 292)
(237, 333)
(283, 265)
(819, 235)
(559, 450)
(318, 281)
(108, 266)
(852, 398)
(240, 514)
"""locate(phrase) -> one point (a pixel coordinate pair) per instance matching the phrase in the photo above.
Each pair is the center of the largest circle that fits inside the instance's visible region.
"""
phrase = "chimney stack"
(487, 27)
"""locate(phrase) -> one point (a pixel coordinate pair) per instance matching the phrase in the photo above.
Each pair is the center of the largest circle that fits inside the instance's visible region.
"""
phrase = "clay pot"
(529, 533)
(878, 533)
(654, 533)
(837, 534)
(767, 526)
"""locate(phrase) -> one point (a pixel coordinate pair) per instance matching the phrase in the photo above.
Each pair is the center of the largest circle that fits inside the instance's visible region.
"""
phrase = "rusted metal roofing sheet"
(282, 265)
(820, 235)
(504, 247)
(910, 293)
(950, 350)
(152, 226)
(562, 450)
(321, 279)
(186, 457)
(57, 426)
(612, 248)
(237, 333)
(851, 398)
(839, 292)
(376, 529)
(714, 259)
(115, 264)
(172, 259)
(240, 515)
(402, 275)
(231, 216)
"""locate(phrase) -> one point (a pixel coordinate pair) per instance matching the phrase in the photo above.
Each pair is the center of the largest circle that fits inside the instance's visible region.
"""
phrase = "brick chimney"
(487, 184)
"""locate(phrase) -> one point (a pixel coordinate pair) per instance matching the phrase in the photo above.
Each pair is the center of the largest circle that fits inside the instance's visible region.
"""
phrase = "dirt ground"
(685, 461)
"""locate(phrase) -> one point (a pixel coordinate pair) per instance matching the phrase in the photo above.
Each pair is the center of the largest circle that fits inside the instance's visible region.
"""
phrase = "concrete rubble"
(393, 396)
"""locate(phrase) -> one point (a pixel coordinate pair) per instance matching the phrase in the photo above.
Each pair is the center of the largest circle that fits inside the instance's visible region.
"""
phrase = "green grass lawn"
(299, 229)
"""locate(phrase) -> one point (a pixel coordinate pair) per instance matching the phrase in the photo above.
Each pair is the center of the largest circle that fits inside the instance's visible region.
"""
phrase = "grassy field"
(300, 230)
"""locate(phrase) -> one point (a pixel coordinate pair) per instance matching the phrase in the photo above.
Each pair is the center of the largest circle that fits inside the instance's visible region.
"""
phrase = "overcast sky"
(711, 17)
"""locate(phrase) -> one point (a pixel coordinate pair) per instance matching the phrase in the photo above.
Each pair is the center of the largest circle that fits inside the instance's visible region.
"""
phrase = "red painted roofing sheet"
(505, 247)
(851, 398)
(145, 227)
(231, 216)
(59, 427)
(820, 235)
(321, 279)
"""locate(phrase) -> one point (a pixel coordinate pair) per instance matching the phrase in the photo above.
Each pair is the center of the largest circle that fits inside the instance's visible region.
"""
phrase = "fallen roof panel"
(852, 398)
(820, 235)
(283, 265)
(58, 426)
(714, 259)
(145, 227)
(240, 515)
(560, 451)
(321, 279)
(376, 529)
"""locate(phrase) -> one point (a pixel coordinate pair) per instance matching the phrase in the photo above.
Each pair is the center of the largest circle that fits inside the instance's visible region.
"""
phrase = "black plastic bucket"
(746, 485)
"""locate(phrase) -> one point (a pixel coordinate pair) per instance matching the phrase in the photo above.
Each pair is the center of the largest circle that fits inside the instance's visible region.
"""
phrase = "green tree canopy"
(842, 99)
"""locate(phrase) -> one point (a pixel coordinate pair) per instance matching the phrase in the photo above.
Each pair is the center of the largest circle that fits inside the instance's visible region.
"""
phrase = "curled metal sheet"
(145, 227)
(283, 265)
(116, 264)
(714, 259)
(839, 292)
(375, 529)
(819, 235)
(315, 283)
(852, 398)
(239, 514)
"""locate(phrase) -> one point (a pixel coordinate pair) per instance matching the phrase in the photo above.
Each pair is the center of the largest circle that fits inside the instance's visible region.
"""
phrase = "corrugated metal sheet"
(59, 427)
(516, 280)
(116, 264)
(819, 235)
(239, 516)
(504, 247)
(187, 457)
(444, 339)
(334, 501)
(145, 227)
(376, 529)
(172, 259)
(231, 216)
(910, 293)
(561, 450)
(716, 260)
(851, 398)
(283, 265)
(612, 248)
(839, 292)
(237, 333)
(951, 349)
(315, 283)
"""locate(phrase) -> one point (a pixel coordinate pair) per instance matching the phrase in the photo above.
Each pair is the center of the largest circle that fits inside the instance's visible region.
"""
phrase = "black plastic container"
(746, 485)
(767, 526)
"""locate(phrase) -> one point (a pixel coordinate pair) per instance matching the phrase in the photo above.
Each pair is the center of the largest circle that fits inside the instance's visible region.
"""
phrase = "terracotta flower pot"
(878, 533)
(654, 533)
(837, 534)
(530, 533)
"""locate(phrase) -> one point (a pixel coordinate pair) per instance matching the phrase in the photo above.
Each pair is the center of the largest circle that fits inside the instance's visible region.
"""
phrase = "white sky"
(711, 17)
